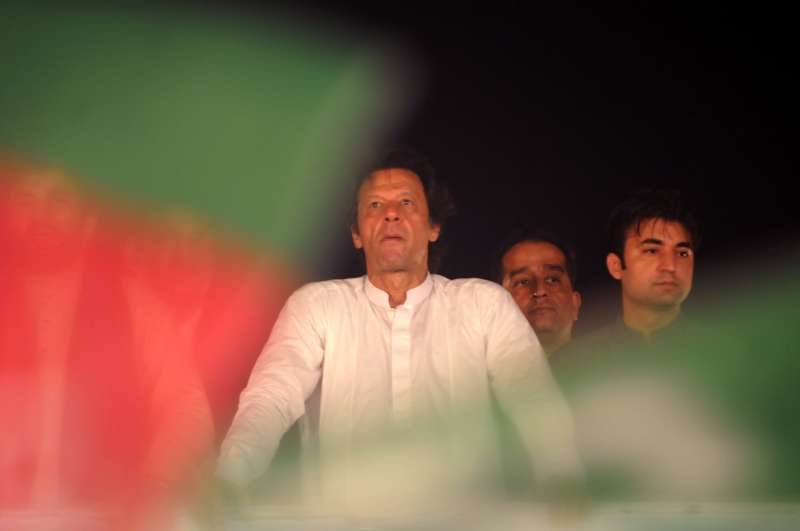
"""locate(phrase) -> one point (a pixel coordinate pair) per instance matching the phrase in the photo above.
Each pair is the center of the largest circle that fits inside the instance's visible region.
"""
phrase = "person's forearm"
(251, 442)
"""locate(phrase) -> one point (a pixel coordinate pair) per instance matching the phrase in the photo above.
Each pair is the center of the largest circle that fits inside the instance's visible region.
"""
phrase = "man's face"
(659, 264)
(394, 227)
(535, 273)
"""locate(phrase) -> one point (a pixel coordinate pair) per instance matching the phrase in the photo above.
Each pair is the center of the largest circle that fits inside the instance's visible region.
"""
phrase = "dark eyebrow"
(655, 241)
(523, 269)
(555, 267)
(515, 272)
(401, 193)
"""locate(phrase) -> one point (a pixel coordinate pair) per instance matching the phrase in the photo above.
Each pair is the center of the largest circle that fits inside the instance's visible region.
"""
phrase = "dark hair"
(534, 236)
(648, 204)
(440, 202)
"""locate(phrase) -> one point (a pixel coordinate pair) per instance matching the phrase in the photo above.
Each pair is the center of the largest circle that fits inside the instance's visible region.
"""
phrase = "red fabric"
(125, 376)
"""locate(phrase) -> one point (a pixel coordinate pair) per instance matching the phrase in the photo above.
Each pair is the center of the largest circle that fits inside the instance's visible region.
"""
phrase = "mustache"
(538, 304)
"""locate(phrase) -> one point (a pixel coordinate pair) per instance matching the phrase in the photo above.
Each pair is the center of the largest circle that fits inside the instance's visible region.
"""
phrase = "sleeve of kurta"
(284, 376)
(526, 391)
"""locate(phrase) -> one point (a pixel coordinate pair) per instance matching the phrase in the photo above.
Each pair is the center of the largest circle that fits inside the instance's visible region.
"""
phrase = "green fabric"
(254, 124)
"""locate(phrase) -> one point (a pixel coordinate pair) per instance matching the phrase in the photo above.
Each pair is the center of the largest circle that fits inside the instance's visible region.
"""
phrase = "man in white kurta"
(397, 347)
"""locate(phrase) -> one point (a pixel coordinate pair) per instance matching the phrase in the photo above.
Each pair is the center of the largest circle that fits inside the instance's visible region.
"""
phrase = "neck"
(646, 319)
(553, 342)
(397, 283)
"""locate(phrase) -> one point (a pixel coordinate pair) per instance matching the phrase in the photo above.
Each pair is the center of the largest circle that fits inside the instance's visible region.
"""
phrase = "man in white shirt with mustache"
(395, 347)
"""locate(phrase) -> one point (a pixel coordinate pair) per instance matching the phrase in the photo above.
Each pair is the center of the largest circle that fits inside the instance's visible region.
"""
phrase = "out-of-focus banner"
(253, 123)
(123, 343)
(705, 411)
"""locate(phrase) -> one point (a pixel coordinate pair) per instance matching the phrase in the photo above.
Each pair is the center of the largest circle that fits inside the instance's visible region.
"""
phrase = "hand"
(217, 501)
(566, 501)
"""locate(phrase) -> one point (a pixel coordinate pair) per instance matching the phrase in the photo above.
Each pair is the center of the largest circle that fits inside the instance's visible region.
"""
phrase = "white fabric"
(442, 348)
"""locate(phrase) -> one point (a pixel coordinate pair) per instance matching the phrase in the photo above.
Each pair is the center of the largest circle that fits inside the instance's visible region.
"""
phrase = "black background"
(536, 115)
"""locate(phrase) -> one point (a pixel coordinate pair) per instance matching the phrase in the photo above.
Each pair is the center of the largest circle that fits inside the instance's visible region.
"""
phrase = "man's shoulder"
(461, 287)
(342, 288)
(616, 344)
(608, 338)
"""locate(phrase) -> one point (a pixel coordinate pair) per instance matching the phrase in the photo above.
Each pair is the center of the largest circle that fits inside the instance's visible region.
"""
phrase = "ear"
(614, 265)
(435, 231)
(576, 302)
(357, 243)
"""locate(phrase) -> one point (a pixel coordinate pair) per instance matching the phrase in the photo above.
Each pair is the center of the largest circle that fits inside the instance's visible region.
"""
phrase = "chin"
(667, 304)
(543, 329)
(393, 267)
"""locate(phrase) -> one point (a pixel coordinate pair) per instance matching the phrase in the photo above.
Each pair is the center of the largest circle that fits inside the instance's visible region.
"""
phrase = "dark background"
(548, 116)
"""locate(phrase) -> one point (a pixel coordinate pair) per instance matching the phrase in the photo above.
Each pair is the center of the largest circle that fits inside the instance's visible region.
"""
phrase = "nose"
(392, 212)
(537, 289)
(667, 262)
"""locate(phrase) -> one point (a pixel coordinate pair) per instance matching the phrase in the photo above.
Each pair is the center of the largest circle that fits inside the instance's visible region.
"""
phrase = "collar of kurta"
(414, 296)
(672, 330)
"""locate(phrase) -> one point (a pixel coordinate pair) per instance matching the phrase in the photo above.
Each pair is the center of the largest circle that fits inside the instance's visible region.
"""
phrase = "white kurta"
(434, 355)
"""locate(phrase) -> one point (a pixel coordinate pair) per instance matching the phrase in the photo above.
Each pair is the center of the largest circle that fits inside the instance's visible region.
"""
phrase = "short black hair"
(522, 235)
(440, 203)
(648, 204)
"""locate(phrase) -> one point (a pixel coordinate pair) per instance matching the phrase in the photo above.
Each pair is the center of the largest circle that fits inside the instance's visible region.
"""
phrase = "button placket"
(401, 363)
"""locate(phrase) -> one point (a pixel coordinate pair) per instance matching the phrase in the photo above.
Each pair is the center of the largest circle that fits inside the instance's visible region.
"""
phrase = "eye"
(684, 253)
(552, 280)
(520, 282)
(650, 250)
(406, 202)
(374, 204)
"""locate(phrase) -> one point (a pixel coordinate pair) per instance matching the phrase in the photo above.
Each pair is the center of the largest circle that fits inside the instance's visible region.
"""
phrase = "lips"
(540, 309)
(666, 284)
